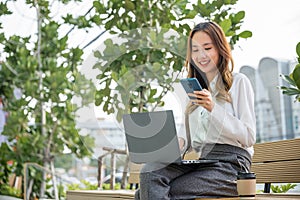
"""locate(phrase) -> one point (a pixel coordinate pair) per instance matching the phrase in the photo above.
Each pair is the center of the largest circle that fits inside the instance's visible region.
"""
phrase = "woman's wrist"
(181, 142)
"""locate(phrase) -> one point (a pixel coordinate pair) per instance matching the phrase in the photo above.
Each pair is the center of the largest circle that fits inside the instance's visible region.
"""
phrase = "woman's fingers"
(200, 94)
(202, 98)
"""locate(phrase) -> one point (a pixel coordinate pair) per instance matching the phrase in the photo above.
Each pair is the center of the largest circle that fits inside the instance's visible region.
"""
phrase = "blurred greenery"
(283, 188)
(37, 76)
(10, 191)
(293, 79)
(64, 161)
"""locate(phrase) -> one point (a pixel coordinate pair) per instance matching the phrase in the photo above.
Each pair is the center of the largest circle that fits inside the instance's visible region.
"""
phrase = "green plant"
(293, 79)
(106, 186)
(282, 188)
(85, 185)
(10, 191)
(43, 67)
(5, 168)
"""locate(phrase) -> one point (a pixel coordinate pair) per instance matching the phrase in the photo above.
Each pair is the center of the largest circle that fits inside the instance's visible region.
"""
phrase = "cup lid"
(246, 175)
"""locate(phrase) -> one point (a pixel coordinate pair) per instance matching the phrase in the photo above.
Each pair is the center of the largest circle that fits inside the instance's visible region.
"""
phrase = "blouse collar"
(213, 84)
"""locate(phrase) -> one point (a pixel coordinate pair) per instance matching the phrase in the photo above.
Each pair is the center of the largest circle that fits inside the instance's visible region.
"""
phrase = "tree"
(41, 122)
(148, 48)
(221, 11)
(142, 60)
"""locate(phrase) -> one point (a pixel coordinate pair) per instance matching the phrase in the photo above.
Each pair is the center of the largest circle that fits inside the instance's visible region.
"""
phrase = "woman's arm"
(242, 125)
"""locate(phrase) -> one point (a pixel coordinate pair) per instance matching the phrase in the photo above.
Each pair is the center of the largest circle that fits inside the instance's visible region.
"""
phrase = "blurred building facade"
(277, 115)
(106, 133)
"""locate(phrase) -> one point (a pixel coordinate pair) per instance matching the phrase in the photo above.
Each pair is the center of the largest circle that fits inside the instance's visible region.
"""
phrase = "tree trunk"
(43, 114)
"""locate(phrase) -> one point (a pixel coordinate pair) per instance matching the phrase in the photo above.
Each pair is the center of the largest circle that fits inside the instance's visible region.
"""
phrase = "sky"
(275, 25)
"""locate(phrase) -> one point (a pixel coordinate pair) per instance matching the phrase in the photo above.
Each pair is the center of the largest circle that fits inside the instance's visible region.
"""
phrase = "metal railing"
(112, 152)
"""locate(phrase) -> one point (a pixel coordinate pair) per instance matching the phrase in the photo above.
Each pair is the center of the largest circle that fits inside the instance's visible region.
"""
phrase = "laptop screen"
(152, 137)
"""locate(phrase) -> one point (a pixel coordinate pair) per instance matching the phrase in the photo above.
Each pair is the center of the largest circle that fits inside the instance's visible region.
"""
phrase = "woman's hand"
(181, 142)
(203, 98)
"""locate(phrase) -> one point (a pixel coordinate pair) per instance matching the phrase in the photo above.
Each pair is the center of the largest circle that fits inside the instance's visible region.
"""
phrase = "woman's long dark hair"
(225, 79)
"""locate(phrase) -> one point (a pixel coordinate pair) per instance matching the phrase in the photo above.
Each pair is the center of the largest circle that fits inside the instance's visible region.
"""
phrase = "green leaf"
(296, 75)
(230, 33)
(297, 97)
(129, 5)
(191, 14)
(282, 188)
(152, 36)
(114, 76)
(96, 19)
(3, 9)
(290, 91)
(288, 79)
(161, 104)
(156, 67)
(123, 70)
(238, 17)
(99, 7)
(152, 92)
(203, 10)
(226, 25)
(2, 37)
(120, 113)
(298, 49)
(245, 34)
(97, 54)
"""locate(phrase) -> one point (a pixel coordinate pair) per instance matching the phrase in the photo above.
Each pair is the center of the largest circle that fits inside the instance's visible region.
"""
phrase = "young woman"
(220, 122)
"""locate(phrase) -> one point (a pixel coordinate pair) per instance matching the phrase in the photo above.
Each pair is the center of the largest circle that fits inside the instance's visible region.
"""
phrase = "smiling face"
(205, 54)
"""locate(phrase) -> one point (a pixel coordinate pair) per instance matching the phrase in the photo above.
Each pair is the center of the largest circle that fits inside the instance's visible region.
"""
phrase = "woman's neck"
(211, 75)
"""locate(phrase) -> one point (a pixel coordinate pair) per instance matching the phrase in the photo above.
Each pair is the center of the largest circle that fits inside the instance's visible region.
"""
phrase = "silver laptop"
(152, 137)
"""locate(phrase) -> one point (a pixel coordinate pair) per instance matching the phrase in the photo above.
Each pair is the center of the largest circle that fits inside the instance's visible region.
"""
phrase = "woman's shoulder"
(240, 79)
(239, 76)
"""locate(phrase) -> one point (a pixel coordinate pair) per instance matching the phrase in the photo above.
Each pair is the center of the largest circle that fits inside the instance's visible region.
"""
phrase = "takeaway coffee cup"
(246, 184)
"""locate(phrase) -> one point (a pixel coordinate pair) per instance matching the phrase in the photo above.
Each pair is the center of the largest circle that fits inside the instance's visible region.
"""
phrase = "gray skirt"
(195, 181)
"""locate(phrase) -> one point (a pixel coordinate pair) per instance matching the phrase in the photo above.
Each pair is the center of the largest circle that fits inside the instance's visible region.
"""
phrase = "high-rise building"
(277, 115)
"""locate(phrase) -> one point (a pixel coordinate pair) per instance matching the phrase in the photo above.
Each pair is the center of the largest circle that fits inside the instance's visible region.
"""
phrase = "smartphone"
(190, 85)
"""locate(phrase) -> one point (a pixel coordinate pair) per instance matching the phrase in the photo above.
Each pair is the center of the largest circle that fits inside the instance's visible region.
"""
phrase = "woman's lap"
(185, 182)
(191, 181)
(155, 181)
(217, 179)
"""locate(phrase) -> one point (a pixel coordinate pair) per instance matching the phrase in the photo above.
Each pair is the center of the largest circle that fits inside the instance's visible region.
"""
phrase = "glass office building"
(277, 115)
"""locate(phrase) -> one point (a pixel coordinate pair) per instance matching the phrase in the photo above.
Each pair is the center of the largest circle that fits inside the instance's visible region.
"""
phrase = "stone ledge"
(100, 194)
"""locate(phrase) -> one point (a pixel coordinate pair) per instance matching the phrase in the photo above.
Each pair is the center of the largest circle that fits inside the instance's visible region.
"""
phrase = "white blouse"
(228, 123)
